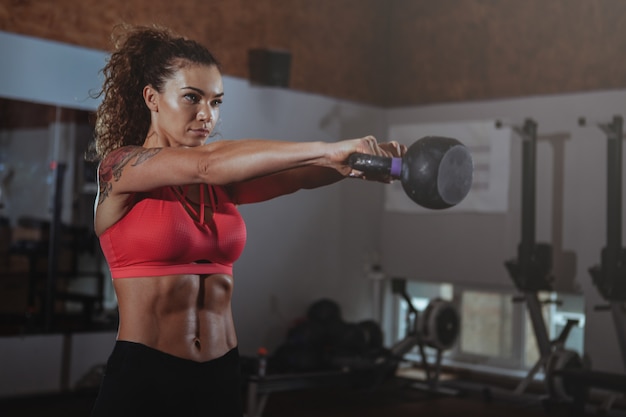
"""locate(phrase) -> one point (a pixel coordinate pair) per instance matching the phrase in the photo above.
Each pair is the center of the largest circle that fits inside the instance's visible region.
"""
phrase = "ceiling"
(390, 53)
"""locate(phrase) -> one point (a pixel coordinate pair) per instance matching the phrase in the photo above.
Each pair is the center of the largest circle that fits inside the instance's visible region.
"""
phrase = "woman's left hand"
(393, 149)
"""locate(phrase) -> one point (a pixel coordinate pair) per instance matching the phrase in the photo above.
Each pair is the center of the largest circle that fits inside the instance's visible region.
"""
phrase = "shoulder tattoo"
(112, 166)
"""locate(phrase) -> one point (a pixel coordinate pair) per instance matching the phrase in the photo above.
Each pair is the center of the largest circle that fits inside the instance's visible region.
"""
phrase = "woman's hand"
(367, 145)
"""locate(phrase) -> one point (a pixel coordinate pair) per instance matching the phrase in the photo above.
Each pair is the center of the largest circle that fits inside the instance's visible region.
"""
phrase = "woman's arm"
(137, 169)
(287, 182)
(282, 183)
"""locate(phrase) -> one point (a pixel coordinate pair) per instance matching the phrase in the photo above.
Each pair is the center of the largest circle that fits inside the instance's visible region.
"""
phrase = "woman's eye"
(192, 97)
(216, 103)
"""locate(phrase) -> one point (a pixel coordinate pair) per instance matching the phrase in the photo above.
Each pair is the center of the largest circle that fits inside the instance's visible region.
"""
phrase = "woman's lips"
(201, 132)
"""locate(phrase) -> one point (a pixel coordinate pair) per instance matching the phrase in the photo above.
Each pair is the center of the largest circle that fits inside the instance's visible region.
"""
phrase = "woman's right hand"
(367, 145)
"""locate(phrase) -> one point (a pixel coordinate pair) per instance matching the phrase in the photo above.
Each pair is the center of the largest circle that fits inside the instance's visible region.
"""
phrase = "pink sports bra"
(164, 235)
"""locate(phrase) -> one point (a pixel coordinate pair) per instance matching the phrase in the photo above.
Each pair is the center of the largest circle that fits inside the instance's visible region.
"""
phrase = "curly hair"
(142, 56)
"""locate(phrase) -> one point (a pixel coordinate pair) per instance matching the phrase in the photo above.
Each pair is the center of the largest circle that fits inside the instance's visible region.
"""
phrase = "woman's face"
(188, 108)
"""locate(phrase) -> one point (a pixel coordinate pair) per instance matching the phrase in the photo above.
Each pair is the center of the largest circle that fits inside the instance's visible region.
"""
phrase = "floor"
(390, 401)
(394, 398)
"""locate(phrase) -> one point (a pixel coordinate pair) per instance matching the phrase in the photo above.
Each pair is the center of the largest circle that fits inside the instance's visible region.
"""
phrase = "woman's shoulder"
(118, 158)
(121, 153)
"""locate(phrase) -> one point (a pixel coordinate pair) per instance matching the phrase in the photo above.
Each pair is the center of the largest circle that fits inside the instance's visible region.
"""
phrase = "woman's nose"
(204, 114)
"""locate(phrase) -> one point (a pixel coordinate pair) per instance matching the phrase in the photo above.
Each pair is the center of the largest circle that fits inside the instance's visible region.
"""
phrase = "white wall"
(35, 363)
(49, 72)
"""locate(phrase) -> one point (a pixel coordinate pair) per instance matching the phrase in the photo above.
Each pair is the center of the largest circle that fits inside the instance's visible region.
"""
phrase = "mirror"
(52, 275)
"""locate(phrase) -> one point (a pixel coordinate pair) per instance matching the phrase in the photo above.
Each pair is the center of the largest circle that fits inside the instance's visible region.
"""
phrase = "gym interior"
(350, 299)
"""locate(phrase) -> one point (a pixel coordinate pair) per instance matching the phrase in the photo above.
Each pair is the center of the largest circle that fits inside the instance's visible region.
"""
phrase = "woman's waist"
(186, 316)
(147, 354)
(203, 337)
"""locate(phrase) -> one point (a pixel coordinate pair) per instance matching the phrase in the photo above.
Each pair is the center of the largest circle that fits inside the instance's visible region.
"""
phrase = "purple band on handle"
(396, 167)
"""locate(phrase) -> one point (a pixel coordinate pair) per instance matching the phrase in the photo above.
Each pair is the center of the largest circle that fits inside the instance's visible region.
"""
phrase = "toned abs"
(188, 316)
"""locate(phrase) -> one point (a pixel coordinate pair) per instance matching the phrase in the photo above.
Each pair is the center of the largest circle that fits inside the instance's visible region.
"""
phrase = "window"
(487, 327)
(496, 330)
(491, 328)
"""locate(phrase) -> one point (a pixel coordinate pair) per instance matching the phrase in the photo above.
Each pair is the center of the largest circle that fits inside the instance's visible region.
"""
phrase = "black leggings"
(141, 381)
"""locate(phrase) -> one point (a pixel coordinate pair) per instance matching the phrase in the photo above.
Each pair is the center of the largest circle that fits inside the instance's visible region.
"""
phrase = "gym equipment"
(436, 172)
(559, 361)
(322, 350)
(438, 327)
(440, 324)
(325, 351)
(259, 388)
(531, 273)
(372, 334)
(324, 311)
(609, 278)
(554, 358)
(323, 341)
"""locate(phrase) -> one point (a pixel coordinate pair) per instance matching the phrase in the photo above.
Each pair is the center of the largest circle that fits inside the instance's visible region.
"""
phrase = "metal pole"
(529, 168)
(53, 245)
(527, 245)
(610, 272)
(615, 133)
(614, 197)
(619, 320)
(539, 325)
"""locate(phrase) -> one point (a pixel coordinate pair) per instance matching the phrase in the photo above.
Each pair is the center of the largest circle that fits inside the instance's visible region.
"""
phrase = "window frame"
(517, 362)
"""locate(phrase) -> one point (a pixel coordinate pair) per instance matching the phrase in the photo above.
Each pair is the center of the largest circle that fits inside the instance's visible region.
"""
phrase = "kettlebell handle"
(375, 164)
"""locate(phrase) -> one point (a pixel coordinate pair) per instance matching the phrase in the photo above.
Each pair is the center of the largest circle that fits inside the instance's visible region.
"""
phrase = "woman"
(168, 224)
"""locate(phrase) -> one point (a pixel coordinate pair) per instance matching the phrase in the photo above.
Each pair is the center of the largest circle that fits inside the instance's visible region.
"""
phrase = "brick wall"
(383, 52)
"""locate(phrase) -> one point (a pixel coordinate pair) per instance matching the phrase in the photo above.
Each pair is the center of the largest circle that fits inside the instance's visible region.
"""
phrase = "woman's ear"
(150, 97)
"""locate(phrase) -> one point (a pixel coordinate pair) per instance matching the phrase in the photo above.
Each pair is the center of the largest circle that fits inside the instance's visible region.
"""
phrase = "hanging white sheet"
(490, 148)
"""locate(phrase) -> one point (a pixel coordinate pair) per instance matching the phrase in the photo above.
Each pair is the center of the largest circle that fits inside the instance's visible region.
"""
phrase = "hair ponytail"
(142, 56)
